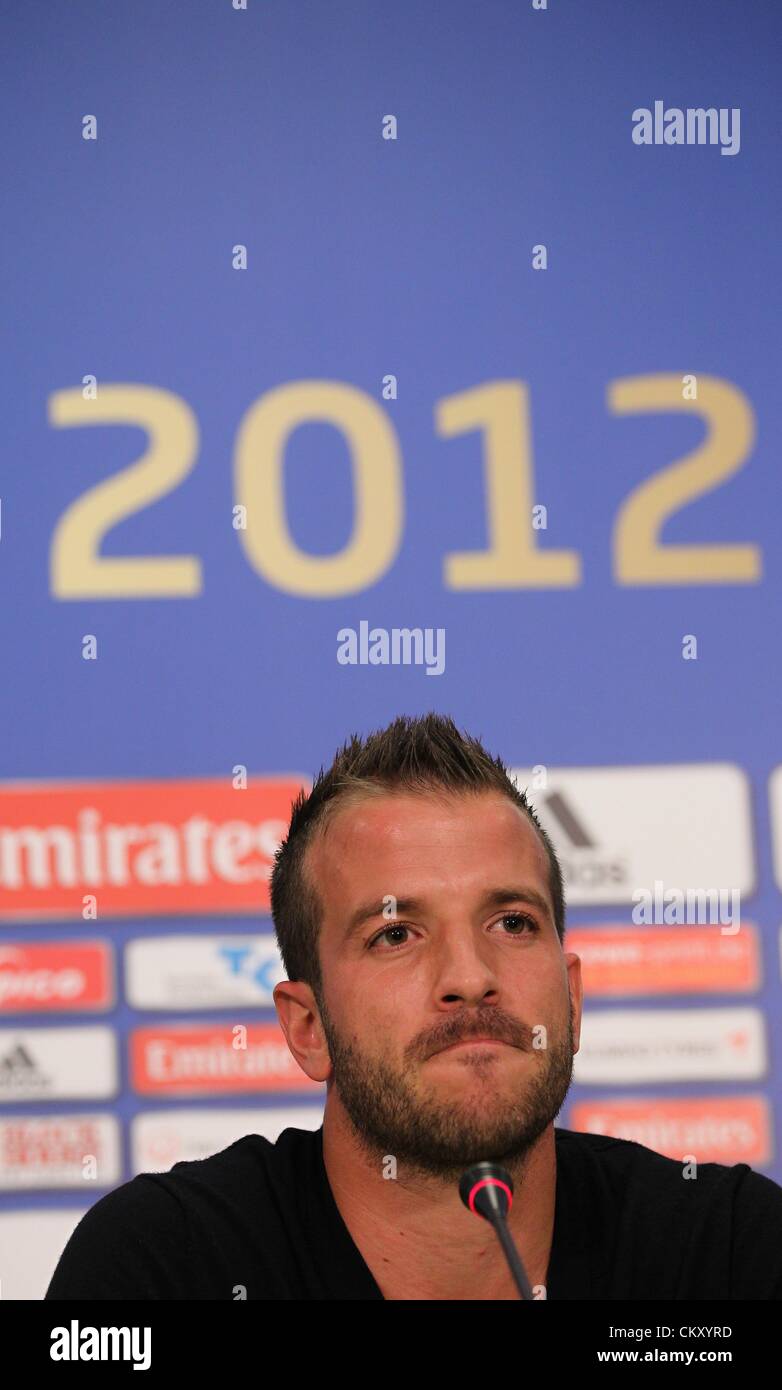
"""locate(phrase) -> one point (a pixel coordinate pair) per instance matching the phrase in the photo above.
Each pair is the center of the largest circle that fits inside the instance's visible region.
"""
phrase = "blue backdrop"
(414, 252)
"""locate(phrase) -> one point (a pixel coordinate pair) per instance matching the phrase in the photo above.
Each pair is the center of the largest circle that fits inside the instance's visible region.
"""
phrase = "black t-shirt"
(259, 1221)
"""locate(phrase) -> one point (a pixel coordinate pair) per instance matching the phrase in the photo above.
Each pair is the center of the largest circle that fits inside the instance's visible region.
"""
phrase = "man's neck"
(416, 1236)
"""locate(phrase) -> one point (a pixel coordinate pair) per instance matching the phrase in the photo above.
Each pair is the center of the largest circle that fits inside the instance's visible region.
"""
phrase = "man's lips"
(474, 1042)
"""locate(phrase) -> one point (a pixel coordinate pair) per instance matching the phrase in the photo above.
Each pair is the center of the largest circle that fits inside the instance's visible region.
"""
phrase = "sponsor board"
(37, 1239)
(618, 829)
(621, 961)
(55, 977)
(214, 1059)
(202, 972)
(161, 1138)
(57, 1151)
(775, 804)
(140, 847)
(716, 1129)
(625, 1046)
(57, 1064)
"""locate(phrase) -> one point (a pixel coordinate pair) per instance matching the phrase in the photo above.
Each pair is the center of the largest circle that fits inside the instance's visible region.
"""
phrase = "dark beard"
(432, 1136)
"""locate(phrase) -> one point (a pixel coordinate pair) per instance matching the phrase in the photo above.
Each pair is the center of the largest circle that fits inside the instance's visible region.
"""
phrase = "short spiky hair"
(426, 754)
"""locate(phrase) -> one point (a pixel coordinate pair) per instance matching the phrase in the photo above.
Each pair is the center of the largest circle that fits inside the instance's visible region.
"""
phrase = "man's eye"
(522, 919)
(519, 919)
(394, 945)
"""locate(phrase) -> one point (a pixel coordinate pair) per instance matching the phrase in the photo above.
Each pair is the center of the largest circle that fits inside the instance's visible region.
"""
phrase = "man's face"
(468, 948)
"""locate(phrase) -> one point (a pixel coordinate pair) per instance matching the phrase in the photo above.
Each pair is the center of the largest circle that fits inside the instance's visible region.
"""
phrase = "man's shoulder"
(632, 1163)
(696, 1229)
(611, 1152)
(151, 1218)
(245, 1155)
(244, 1162)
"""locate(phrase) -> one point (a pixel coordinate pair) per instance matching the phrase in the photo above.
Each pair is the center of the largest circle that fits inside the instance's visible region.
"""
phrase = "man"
(419, 910)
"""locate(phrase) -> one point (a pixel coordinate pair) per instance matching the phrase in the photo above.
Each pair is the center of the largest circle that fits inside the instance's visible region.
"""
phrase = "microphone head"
(487, 1189)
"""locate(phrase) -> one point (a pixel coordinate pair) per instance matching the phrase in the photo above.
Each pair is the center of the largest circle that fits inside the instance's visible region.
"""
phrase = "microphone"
(487, 1189)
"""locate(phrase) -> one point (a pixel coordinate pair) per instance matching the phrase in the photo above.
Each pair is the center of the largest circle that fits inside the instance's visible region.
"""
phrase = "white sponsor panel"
(59, 1151)
(32, 1242)
(161, 1138)
(202, 972)
(57, 1064)
(626, 1046)
(775, 800)
(618, 829)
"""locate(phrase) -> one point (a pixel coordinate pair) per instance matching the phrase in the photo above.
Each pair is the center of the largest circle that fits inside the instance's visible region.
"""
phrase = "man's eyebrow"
(496, 897)
(500, 897)
(404, 907)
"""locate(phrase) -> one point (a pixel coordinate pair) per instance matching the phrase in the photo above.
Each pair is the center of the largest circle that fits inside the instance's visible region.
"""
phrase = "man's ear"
(576, 991)
(299, 1017)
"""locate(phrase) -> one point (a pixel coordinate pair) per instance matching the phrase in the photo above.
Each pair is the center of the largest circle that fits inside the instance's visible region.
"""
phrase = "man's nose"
(464, 972)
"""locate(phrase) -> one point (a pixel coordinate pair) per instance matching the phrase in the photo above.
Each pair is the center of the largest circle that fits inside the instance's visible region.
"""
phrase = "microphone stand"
(487, 1190)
